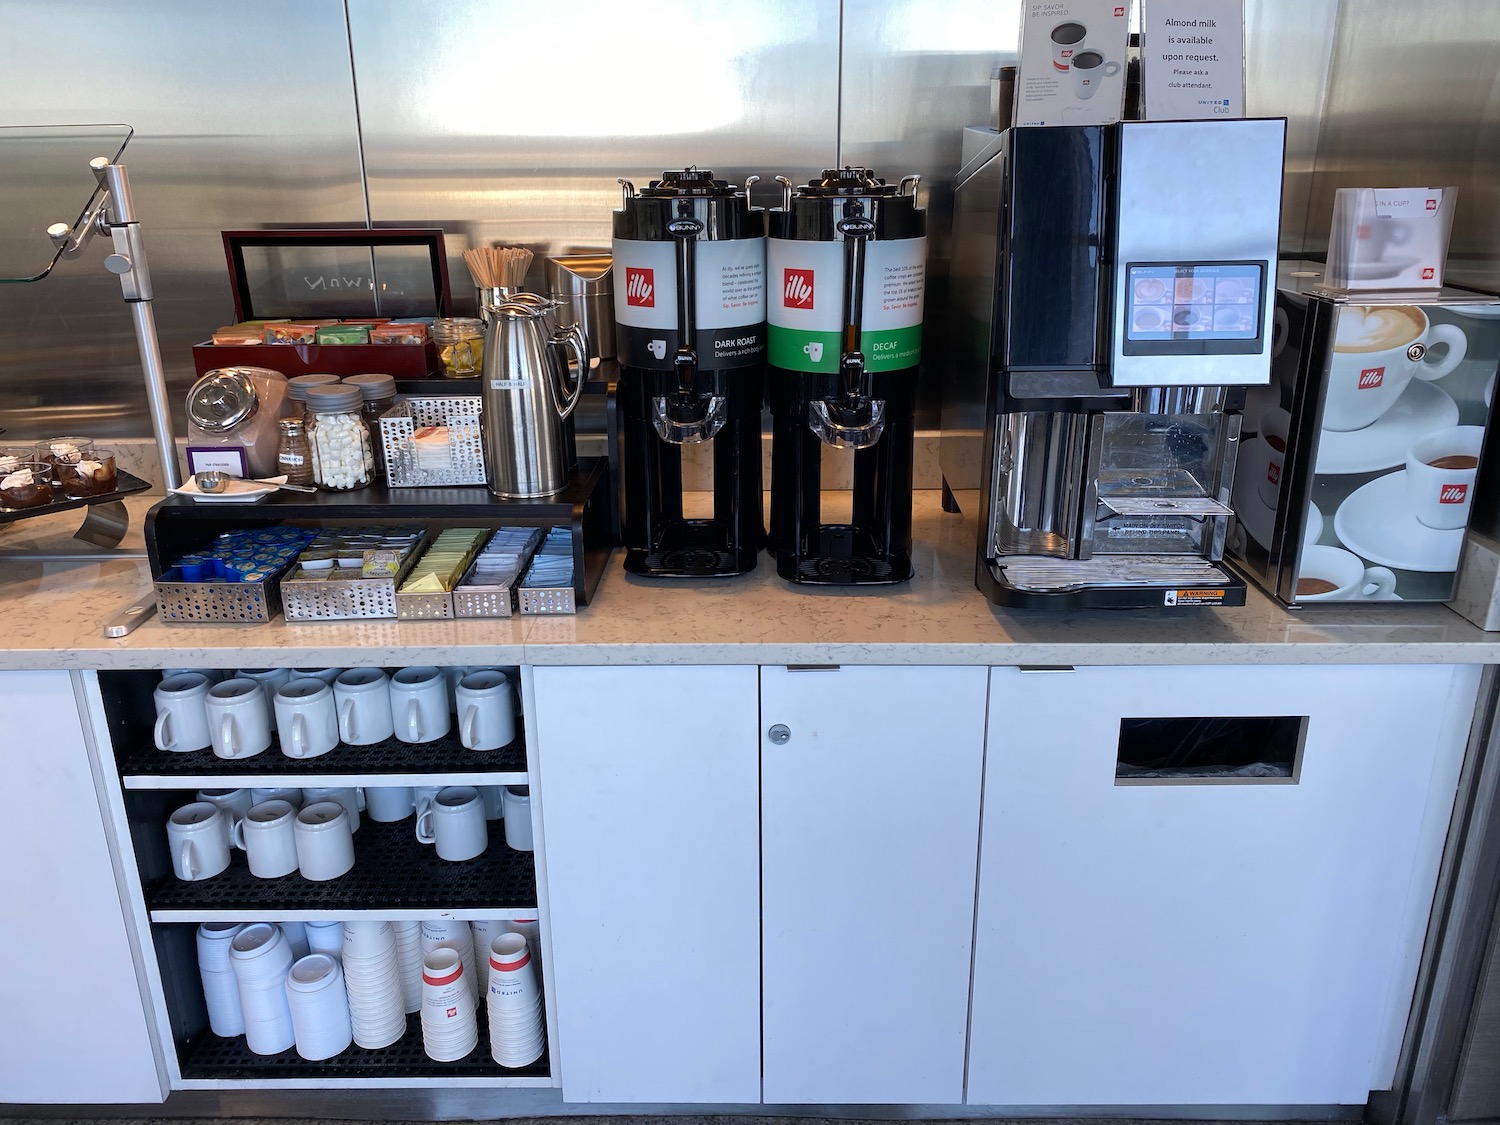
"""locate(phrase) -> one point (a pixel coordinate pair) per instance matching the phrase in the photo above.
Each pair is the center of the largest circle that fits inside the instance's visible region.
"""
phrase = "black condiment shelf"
(180, 526)
(207, 1056)
(446, 756)
(391, 872)
(125, 485)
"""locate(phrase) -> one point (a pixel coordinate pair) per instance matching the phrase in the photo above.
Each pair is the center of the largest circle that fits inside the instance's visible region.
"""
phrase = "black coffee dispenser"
(690, 312)
(847, 259)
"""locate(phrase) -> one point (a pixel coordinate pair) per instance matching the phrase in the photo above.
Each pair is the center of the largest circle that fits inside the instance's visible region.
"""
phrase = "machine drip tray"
(844, 555)
(691, 549)
(1111, 582)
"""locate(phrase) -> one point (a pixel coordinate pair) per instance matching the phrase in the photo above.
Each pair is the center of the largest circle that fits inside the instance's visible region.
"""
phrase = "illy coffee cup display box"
(1358, 463)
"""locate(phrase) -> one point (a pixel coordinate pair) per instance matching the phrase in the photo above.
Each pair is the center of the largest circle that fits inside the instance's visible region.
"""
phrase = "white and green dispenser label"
(805, 310)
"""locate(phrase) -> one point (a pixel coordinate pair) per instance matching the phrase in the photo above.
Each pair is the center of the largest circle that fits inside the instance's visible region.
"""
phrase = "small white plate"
(1384, 443)
(236, 491)
(1477, 312)
(1377, 523)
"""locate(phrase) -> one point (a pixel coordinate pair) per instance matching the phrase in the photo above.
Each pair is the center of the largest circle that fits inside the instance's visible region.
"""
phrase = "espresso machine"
(690, 311)
(1113, 300)
(847, 258)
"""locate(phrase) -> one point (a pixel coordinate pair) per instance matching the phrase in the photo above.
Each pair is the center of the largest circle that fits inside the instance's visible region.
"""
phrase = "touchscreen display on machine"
(1193, 303)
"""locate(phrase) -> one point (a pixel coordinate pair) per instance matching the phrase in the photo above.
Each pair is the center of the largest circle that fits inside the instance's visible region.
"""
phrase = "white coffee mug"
(181, 721)
(493, 797)
(454, 823)
(518, 835)
(268, 836)
(269, 680)
(389, 803)
(238, 722)
(364, 705)
(307, 719)
(1332, 574)
(486, 710)
(1440, 472)
(235, 803)
(198, 836)
(290, 795)
(1377, 351)
(325, 842)
(352, 798)
(1067, 38)
(419, 704)
(327, 675)
(1089, 70)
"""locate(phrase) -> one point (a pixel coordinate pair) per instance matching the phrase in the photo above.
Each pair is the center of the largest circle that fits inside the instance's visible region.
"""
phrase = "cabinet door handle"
(780, 734)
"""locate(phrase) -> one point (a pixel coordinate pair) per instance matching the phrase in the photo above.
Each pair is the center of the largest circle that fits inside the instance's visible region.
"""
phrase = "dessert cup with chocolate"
(93, 475)
(27, 486)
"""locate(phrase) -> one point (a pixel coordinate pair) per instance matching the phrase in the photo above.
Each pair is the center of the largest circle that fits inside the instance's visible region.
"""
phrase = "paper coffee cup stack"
(377, 1017)
(449, 1029)
(518, 1032)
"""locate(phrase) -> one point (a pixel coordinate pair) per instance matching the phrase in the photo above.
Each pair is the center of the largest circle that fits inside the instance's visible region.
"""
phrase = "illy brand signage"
(1371, 377)
(640, 288)
(1453, 494)
(797, 291)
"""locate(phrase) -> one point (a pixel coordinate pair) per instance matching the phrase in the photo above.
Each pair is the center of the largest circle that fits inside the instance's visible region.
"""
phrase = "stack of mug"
(517, 1031)
(310, 711)
(221, 990)
(320, 1009)
(261, 957)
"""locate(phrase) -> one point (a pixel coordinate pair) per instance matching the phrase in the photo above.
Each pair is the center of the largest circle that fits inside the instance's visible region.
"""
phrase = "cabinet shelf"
(391, 872)
(207, 1058)
(391, 762)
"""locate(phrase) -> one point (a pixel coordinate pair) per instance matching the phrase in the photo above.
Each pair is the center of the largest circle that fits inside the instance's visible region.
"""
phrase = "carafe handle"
(573, 340)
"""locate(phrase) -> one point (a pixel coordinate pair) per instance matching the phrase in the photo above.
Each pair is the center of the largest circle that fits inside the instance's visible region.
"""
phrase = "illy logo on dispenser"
(1371, 377)
(1453, 494)
(640, 287)
(797, 289)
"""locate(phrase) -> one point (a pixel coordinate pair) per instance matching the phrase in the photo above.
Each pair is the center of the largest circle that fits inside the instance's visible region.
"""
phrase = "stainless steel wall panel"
(1414, 100)
(915, 73)
(235, 127)
(1288, 47)
(507, 122)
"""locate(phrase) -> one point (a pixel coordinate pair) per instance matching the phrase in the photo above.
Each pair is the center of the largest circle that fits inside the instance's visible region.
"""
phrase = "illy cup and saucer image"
(1394, 467)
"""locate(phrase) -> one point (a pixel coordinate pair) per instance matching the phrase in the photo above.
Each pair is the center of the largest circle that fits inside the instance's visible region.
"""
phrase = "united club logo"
(1453, 494)
(1371, 377)
(797, 289)
(640, 287)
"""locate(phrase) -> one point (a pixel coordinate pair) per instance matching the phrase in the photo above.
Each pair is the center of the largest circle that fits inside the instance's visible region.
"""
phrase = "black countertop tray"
(178, 525)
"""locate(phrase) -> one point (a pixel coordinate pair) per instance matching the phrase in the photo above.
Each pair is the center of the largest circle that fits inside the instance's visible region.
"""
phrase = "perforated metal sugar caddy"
(346, 599)
(400, 425)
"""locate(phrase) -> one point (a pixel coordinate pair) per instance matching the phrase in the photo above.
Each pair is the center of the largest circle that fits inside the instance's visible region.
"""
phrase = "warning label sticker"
(1195, 597)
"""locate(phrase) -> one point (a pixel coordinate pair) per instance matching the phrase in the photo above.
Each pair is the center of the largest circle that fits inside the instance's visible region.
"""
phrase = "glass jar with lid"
(379, 395)
(339, 437)
(232, 414)
(295, 459)
(296, 390)
(460, 345)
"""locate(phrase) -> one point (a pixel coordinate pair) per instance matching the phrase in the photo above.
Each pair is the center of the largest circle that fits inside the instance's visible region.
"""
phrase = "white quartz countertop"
(53, 615)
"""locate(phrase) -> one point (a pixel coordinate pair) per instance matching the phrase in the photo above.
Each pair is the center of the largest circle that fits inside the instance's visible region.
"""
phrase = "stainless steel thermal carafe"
(526, 400)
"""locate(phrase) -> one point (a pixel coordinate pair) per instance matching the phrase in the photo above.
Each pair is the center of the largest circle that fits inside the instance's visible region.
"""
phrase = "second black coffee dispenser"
(690, 311)
(847, 259)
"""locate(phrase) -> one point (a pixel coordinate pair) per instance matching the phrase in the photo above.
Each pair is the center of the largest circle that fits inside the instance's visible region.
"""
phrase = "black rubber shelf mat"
(391, 871)
(206, 1056)
(446, 755)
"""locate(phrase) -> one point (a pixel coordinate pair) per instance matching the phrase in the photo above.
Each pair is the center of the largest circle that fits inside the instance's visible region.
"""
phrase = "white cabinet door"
(869, 837)
(73, 1025)
(1228, 943)
(647, 790)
